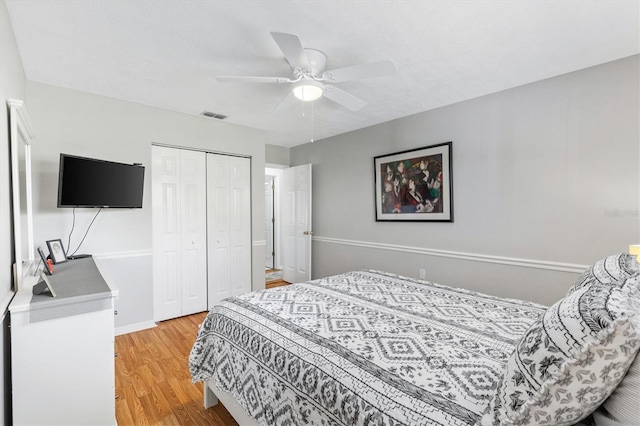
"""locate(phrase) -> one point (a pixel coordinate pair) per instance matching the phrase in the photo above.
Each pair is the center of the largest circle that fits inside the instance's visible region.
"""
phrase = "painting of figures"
(415, 185)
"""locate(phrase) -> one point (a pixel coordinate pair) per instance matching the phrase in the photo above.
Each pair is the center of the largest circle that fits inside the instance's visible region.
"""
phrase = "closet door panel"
(171, 293)
(167, 278)
(219, 276)
(240, 275)
(229, 218)
(194, 231)
(240, 188)
(218, 220)
(179, 232)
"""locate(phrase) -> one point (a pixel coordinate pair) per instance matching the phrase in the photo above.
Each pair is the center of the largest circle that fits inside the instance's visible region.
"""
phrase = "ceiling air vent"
(214, 115)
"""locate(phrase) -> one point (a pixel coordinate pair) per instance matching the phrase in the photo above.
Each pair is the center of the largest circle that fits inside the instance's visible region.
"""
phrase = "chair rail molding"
(474, 257)
(124, 254)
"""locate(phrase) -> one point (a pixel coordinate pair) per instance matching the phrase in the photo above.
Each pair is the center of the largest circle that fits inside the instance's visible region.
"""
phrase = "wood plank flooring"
(278, 283)
(275, 282)
(153, 383)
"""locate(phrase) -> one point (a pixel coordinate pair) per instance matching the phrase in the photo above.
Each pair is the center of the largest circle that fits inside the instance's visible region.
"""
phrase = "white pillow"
(570, 360)
(622, 408)
(612, 270)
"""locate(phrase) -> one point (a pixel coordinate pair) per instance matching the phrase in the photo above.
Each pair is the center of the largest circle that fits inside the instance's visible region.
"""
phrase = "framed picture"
(415, 185)
(45, 268)
(56, 251)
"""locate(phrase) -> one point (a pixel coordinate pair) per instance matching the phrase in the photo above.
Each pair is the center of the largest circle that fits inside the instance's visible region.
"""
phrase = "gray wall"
(545, 181)
(12, 85)
(71, 122)
(276, 155)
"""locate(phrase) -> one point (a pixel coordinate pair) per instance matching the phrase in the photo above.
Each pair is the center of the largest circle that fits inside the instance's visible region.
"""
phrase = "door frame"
(270, 222)
(277, 212)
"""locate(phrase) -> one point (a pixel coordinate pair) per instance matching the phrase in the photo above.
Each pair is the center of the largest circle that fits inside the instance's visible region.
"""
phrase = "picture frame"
(56, 251)
(415, 185)
(45, 266)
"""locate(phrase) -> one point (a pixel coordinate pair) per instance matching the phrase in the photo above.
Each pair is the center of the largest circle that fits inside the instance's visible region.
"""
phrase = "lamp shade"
(308, 90)
(635, 249)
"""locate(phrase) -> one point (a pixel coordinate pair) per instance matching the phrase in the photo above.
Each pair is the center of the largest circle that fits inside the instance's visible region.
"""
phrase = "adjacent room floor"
(273, 278)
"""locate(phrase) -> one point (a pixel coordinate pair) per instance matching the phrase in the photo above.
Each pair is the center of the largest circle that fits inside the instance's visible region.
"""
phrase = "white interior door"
(218, 227)
(229, 226)
(240, 233)
(179, 232)
(296, 218)
(194, 231)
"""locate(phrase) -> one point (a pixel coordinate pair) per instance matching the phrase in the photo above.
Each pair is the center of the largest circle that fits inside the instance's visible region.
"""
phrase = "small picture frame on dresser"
(56, 251)
(46, 268)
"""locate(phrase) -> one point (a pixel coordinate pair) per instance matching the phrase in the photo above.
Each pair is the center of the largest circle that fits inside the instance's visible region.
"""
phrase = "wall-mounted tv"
(89, 182)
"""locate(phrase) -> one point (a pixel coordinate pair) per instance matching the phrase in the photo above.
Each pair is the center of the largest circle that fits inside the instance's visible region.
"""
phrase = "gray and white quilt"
(361, 348)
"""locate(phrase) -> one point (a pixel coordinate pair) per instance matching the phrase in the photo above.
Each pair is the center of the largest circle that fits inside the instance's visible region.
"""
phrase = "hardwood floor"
(278, 283)
(274, 282)
(153, 383)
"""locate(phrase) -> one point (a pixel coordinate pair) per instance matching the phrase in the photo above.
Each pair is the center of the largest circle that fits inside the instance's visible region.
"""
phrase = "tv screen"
(88, 182)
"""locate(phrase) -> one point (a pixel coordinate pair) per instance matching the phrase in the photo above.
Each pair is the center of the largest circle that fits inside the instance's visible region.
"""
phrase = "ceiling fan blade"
(252, 79)
(292, 48)
(343, 98)
(286, 103)
(359, 72)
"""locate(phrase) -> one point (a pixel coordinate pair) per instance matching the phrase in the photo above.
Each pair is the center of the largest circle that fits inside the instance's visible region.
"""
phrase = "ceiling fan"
(310, 81)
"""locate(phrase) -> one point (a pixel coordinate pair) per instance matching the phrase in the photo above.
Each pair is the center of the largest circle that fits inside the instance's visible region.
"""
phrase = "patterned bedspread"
(363, 347)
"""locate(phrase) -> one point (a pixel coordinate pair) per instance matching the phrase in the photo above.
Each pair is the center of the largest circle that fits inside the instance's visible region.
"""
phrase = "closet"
(229, 226)
(201, 229)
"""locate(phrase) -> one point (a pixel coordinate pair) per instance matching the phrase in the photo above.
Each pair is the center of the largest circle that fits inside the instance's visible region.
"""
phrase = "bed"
(368, 347)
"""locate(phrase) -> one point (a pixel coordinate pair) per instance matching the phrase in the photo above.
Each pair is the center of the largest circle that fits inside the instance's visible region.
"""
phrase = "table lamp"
(635, 249)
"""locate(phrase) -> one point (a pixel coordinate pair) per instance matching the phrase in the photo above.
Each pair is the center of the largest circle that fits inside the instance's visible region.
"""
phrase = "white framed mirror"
(21, 136)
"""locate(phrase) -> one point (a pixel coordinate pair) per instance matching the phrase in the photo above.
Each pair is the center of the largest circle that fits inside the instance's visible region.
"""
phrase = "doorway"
(296, 223)
(292, 233)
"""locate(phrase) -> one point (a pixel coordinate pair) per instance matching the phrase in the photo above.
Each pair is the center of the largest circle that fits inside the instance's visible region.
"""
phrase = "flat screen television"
(89, 182)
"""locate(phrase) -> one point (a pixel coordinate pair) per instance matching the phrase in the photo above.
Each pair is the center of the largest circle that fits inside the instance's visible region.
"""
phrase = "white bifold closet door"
(179, 232)
(229, 226)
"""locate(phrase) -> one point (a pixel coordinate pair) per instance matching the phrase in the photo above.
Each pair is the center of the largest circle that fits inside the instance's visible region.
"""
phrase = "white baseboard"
(475, 257)
(135, 327)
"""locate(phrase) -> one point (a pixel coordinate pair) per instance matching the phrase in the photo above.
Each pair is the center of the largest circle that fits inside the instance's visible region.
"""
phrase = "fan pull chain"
(313, 102)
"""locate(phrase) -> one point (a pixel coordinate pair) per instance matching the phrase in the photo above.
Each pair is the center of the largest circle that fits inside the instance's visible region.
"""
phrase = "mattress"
(364, 347)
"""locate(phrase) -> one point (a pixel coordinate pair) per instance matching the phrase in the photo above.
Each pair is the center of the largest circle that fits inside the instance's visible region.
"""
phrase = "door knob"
(308, 232)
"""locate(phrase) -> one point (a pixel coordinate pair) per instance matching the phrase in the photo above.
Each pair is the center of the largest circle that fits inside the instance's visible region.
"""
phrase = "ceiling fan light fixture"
(308, 90)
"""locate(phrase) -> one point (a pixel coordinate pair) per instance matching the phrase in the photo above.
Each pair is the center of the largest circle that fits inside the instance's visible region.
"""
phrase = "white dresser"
(62, 350)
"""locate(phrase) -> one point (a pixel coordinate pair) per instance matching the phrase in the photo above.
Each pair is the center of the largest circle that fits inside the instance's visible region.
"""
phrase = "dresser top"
(73, 281)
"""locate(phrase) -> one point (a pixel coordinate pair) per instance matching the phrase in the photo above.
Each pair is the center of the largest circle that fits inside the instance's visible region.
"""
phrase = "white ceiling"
(166, 53)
